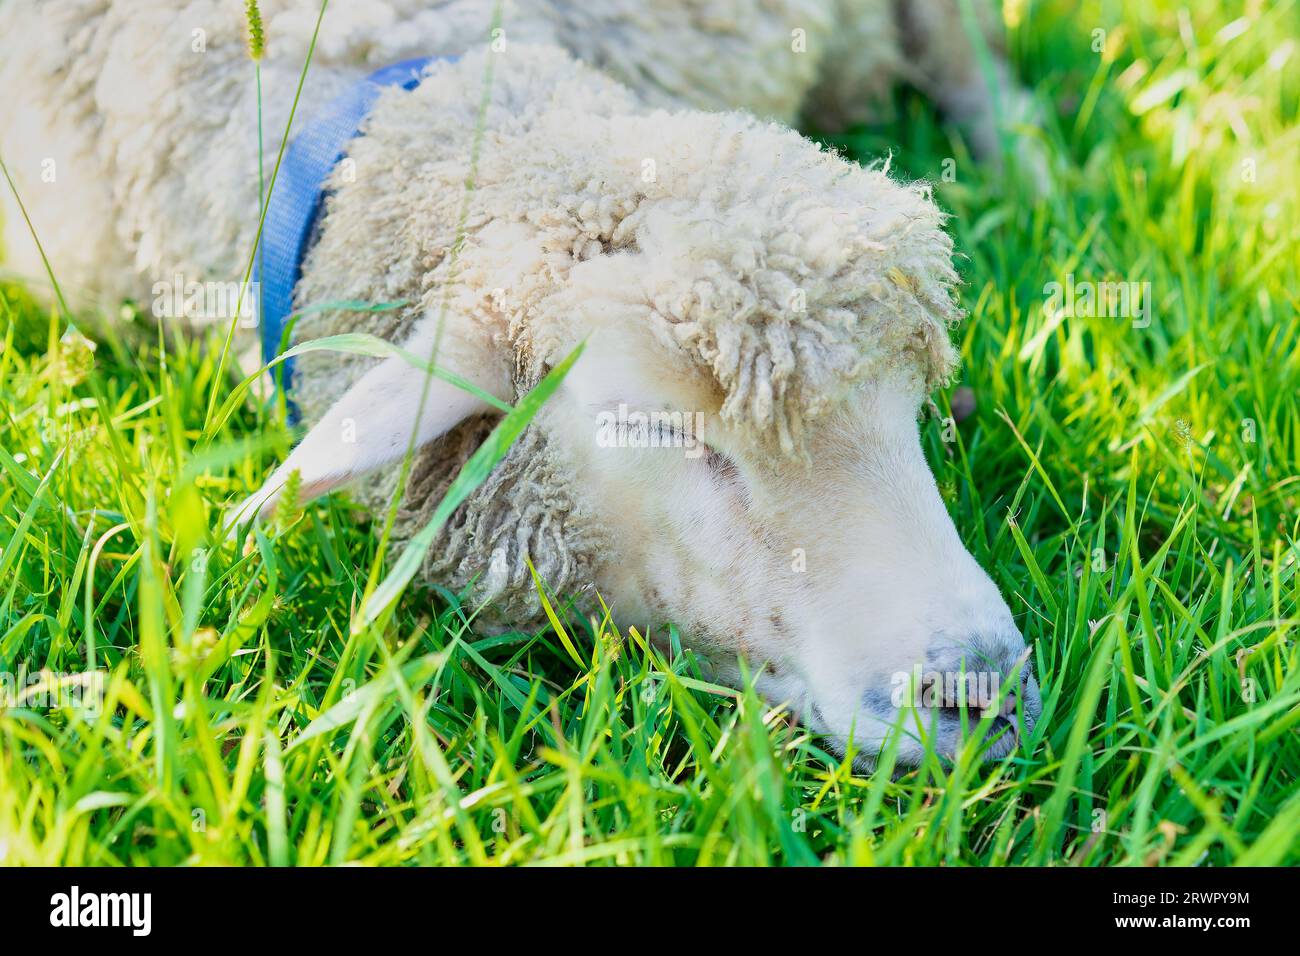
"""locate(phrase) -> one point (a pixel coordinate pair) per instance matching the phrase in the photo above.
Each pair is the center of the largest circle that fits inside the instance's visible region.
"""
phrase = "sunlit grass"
(1132, 489)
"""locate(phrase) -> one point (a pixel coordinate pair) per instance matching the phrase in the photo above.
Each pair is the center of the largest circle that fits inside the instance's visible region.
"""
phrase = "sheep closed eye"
(657, 434)
(665, 435)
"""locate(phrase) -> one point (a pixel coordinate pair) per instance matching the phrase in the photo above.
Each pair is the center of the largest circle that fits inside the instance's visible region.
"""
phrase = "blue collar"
(295, 202)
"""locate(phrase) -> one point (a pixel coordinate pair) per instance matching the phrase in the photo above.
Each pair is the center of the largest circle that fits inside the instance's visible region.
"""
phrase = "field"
(1131, 481)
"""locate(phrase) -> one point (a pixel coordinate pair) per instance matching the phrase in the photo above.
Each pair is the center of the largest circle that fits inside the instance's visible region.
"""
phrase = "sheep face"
(771, 314)
(838, 579)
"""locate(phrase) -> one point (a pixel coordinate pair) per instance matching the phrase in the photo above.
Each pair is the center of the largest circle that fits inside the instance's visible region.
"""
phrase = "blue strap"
(299, 193)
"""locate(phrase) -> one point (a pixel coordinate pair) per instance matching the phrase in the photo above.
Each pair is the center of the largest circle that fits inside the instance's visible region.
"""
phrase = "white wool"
(146, 113)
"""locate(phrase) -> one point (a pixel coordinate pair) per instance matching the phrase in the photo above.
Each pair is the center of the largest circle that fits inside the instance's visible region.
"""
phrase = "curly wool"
(780, 362)
(522, 514)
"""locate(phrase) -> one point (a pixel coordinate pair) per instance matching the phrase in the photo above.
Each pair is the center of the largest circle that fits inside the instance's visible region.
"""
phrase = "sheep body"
(118, 100)
(566, 184)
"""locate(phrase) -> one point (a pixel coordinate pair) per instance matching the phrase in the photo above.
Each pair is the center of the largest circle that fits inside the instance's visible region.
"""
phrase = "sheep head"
(737, 450)
(743, 426)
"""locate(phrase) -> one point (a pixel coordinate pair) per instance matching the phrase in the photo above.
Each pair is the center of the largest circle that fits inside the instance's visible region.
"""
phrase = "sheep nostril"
(1030, 702)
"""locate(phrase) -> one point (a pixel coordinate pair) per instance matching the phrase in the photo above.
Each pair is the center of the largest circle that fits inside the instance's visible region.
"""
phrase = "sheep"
(715, 265)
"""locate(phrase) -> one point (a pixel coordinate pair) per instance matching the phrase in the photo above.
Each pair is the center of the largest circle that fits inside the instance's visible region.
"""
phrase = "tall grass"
(1133, 491)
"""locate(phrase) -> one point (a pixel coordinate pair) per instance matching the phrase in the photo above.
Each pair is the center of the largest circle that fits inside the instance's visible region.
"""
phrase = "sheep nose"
(989, 668)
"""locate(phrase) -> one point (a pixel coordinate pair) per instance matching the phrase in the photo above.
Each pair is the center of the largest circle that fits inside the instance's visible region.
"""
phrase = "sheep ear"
(370, 426)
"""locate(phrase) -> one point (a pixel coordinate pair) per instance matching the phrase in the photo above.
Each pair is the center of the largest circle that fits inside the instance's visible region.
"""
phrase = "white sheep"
(720, 269)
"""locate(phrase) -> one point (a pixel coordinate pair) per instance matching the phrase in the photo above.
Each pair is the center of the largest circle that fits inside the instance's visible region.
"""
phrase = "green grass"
(1133, 491)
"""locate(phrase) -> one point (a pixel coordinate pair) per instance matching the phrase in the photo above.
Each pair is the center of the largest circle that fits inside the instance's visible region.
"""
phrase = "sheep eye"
(662, 434)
